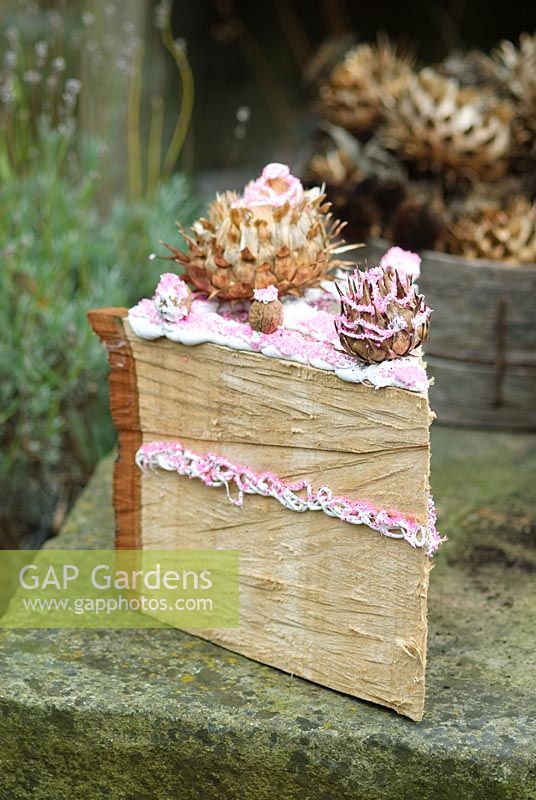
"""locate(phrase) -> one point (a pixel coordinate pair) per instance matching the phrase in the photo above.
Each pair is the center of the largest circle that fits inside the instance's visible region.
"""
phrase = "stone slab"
(146, 714)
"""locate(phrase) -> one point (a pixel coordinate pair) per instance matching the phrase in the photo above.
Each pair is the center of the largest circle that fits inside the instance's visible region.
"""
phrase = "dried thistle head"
(459, 133)
(382, 316)
(500, 231)
(276, 234)
(359, 88)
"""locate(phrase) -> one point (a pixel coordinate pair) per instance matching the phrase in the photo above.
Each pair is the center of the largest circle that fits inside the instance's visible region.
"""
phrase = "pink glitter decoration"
(146, 310)
(403, 261)
(275, 187)
(172, 297)
(395, 370)
(216, 471)
(309, 338)
(267, 295)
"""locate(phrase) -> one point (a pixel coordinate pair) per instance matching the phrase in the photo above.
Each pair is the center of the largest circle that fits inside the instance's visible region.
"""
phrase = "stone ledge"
(146, 714)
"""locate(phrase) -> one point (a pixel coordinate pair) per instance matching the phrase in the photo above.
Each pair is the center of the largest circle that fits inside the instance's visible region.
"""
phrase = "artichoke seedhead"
(382, 315)
(276, 234)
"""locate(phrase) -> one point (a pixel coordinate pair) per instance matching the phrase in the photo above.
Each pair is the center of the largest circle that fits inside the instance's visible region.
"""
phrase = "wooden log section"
(331, 602)
(108, 325)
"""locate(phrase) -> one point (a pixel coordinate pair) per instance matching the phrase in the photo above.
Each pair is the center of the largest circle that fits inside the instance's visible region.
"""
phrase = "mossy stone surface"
(150, 714)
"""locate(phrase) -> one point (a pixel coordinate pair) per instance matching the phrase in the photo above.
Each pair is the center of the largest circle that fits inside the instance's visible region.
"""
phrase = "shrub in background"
(60, 257)
(66, 245)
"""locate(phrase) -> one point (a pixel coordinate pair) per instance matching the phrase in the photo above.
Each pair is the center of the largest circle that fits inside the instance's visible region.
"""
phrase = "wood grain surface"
(294, 420)
(331, 602)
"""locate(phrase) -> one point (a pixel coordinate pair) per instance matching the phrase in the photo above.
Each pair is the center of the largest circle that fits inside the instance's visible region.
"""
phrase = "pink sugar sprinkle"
(379, 300)
(435, 538)
(403, 261)
(312, 341)
(267, 295)
(146, 309)
(401, 371)
(262, 191)
(171, 282)
(171, 297)
(319, 326)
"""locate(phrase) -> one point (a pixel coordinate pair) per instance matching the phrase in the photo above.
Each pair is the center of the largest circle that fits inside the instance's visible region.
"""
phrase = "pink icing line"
(215, 471)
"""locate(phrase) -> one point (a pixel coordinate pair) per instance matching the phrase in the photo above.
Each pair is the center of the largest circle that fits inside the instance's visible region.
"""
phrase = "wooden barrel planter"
(482, 348)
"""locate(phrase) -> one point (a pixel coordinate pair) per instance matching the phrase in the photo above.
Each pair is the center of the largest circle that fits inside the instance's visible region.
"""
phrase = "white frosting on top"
(308, 336)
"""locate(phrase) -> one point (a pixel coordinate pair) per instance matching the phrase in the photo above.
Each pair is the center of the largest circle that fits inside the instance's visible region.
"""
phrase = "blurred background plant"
(441, 157)
(75, 233)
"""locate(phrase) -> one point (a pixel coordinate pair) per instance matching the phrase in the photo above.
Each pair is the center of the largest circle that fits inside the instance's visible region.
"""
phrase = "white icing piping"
(216, 471)
(307, 338)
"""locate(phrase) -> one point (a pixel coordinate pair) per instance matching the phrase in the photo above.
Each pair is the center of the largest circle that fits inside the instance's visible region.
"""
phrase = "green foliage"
(65, 245)
(60, 256)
